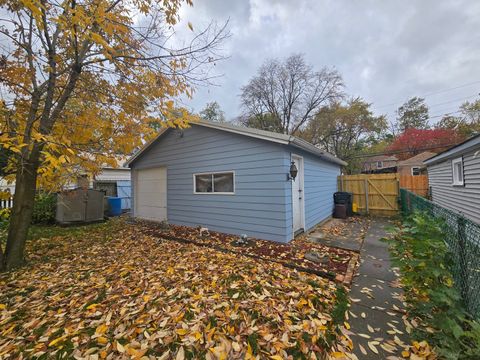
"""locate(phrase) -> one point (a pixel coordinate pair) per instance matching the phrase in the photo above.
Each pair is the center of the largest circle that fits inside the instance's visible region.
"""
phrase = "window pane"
(110, 188)
(223, 182)
(203, 183)
(458, 170)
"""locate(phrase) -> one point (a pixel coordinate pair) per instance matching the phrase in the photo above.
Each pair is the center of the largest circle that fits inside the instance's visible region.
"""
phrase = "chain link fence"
(462, 236)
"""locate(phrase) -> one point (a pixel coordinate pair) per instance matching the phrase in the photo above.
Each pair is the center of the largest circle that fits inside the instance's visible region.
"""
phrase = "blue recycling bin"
(114, 206)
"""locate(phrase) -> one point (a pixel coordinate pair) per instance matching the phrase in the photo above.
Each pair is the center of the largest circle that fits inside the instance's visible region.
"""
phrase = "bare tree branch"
(290, 92)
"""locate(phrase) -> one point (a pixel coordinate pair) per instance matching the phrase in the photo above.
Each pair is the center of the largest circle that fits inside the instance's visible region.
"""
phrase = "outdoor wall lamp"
(293, 172)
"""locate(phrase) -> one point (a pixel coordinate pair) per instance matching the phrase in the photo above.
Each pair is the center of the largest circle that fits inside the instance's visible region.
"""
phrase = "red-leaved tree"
(414, 141)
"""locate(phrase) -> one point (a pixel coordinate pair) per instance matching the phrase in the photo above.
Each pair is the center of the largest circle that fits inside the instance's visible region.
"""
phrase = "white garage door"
(151, 194)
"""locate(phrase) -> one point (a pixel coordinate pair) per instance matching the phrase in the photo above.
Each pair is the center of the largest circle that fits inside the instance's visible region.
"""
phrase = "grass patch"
(341, 306)
(252, 340)
(41, 231)
(425, 262)
(49, 231)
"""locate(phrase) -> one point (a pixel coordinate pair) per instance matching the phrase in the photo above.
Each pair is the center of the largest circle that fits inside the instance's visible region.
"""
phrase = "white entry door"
(298, 197)
(150, 194)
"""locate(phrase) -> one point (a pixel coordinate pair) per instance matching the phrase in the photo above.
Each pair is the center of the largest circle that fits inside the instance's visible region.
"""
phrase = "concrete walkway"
(375, 316)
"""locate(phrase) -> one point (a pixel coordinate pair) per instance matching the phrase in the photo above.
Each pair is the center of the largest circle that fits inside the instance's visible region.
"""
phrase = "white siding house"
(114, 181)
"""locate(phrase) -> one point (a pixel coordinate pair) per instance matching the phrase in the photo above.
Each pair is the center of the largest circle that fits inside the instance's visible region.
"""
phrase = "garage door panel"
(152, 186)
(152, 174)
(148, 200)
(152, 213)
(151, 194)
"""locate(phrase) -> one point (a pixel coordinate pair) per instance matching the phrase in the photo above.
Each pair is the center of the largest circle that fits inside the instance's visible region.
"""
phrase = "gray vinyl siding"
(258, 207)
(464, 199)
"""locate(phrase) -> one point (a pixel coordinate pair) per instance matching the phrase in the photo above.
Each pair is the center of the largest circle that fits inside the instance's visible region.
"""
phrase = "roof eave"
(144, 148)
(240, 132)
(277, 138)
(454, 151)
(301, 144)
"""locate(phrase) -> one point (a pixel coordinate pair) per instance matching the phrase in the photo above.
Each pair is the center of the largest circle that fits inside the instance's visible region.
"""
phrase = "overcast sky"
(386, 51)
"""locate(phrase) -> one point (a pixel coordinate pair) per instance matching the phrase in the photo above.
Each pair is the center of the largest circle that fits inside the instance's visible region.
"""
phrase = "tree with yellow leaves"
(82, 81)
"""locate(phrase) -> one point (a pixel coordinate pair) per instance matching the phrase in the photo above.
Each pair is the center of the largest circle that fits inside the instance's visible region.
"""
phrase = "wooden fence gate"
(378, 194)
(375, 194)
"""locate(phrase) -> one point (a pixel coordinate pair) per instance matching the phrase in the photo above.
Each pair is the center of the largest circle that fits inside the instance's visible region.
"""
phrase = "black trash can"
(340, 211)
(344, 198)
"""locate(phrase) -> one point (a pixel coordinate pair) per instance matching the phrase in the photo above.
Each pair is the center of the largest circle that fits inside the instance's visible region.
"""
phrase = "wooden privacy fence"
(378, 194)
(417, 184)
(375, 194)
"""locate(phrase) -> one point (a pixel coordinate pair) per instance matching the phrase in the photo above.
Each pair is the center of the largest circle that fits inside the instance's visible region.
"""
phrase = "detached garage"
(151, 193)
(234, 180)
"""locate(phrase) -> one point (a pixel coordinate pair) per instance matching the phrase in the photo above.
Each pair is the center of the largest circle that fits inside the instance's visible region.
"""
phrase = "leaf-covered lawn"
(334, 260)
(112, 292)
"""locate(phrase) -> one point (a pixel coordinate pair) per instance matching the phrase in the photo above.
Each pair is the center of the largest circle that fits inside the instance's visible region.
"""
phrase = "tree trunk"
(2, 261)
(21, 216)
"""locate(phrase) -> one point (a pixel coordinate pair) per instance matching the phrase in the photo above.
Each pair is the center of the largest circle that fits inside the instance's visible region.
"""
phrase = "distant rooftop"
(417, 159)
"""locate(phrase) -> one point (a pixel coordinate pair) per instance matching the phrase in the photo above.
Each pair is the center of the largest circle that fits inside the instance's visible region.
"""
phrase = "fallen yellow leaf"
(101, 329)
(102, 340)
(92, 306)
(181, 331)
(57, 340)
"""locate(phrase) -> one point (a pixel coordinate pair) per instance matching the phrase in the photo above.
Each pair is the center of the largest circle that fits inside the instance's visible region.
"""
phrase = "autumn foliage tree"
(413, 114)
(82, 81)
(466, 123)
(344, 129)
(414, 141)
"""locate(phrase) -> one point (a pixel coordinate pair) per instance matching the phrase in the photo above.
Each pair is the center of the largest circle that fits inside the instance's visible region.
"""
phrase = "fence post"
(366, 194)
(462, 253)
(398, 192)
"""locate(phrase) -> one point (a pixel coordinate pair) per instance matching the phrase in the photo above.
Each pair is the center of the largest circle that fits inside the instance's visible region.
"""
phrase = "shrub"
(4, 217)
(44, 208)
(433, 301)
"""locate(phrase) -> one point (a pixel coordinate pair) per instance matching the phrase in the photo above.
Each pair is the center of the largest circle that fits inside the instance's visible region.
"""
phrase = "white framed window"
(415, 171)
(457, 171)
(379, 164)
(222, 182)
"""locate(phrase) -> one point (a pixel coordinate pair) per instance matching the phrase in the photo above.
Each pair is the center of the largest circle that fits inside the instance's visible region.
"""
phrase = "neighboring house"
(414, 165)
(6, 187)
(114, 181)
(454, 177)
(380, 164)
(234, 180)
